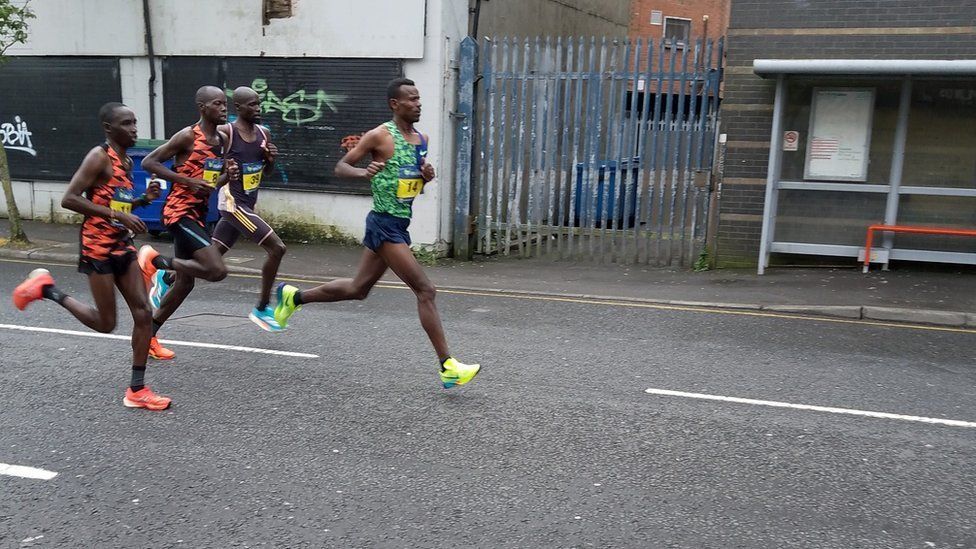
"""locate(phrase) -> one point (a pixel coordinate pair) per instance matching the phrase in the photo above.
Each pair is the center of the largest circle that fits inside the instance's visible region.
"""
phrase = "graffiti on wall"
(297, 108)
(17, 137)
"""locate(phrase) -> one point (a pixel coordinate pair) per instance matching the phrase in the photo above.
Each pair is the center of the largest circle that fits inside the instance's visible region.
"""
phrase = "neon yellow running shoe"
(455, 373)
(286, 304)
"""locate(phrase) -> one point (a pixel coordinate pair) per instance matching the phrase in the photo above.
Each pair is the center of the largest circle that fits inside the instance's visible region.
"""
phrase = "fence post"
(464, 118)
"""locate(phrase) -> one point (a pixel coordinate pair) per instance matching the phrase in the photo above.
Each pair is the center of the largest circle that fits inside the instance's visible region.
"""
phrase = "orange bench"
(906, 229)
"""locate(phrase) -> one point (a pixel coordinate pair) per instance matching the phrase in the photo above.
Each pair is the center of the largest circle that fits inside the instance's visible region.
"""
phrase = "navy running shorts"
(383, 227)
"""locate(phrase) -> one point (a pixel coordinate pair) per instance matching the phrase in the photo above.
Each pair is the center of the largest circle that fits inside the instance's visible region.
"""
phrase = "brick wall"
(804, 29)
(716, 10)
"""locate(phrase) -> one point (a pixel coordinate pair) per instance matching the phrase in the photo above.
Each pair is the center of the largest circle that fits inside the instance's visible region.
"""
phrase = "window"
(657, 17)
(677, 31)
(276, 9)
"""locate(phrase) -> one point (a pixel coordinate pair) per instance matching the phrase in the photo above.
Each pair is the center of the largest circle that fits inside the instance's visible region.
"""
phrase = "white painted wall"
(318, 28)
(321, 28)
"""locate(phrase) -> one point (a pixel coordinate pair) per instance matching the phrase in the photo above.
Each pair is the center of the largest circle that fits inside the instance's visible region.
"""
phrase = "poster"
(840, 134)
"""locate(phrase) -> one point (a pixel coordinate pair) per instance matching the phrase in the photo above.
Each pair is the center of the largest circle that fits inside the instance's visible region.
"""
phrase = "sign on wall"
(314, 108)
(840, 134)
(49, 112)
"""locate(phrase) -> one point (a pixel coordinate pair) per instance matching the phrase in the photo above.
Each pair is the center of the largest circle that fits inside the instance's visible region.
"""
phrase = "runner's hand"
(427, 172)
(233, 170)
(152, 189)
(131, 222)
(198, 186)
(374, 168)
(270, 151)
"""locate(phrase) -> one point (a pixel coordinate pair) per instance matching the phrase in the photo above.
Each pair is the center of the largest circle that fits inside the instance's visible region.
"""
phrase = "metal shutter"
(56, 100)
(310, 105)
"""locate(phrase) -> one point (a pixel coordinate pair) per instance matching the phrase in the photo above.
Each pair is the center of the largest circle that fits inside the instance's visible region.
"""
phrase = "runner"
(101, 190)
(198, 169)
(249, 146)
(397, 173)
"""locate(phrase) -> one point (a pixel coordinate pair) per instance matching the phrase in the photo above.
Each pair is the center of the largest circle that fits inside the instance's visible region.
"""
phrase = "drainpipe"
(475, 13)
(152, 68)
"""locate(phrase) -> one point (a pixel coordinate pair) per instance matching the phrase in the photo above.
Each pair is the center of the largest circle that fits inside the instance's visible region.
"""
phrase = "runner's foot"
(145, 398)
(32, 288)
(265, 319)
(286, 304)
(456, 373)
(159, 352)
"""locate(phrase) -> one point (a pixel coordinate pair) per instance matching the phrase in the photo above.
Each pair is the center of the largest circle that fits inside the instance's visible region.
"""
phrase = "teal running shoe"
(286, 304)
(264, 318)
(158, 289)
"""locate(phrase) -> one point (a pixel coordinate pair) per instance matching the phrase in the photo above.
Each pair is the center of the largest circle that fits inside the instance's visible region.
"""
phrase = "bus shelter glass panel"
(827, 217)
(941, 147)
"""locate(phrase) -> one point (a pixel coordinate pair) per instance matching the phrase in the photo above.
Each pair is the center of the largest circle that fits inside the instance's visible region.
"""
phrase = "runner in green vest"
(397, 174)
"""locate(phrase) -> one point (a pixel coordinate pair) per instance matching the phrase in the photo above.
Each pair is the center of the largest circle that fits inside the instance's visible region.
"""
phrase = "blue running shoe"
(265, 319)
(158, 289)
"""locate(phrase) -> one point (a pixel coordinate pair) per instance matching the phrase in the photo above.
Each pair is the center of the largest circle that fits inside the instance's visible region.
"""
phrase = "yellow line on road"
(608, 303)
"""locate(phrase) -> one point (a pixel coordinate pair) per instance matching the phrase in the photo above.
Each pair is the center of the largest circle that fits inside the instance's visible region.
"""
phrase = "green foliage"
(13, 24)
(425, 256)
(703, 263)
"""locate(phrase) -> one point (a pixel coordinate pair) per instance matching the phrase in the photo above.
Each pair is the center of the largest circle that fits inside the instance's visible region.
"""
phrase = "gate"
(586, 149)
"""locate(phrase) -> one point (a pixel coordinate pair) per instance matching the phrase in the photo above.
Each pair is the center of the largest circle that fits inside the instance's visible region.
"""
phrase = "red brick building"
(679, 20)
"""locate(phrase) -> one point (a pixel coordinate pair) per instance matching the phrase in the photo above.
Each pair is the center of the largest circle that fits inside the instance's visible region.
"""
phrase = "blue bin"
(588, 209)
(151, 215)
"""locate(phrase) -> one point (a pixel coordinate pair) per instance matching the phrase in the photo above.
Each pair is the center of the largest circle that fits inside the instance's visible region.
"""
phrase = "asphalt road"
(555, 444)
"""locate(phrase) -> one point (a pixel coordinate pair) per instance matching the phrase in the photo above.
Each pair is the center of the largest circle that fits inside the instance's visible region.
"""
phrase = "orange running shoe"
(145, 258)
(145, 398)
(159, 352)
(32, 288)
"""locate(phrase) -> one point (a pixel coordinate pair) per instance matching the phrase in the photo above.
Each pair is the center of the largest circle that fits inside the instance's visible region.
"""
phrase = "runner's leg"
(402, 261)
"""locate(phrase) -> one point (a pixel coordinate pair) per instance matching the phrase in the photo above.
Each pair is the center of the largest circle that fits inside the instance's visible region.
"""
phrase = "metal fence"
(589, 149)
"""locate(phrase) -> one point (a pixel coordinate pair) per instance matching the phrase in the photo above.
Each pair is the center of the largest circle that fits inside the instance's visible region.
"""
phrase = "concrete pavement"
(940, 295)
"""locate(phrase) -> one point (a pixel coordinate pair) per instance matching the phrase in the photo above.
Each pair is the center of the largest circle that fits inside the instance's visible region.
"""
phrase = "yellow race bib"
(251, 175)
(409, 184)
(121, 201)
(211, 170)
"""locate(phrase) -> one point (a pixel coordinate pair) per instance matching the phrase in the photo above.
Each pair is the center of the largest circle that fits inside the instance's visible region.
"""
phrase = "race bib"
(409, 184)
(122, 201)
(251, 175)
(211, 170)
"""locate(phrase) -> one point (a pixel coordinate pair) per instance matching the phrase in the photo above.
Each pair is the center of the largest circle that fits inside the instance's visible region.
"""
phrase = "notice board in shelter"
(840, 134)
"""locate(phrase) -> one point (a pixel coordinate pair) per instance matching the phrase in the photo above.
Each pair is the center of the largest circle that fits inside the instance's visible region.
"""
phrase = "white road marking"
(828, 409)
(164, 341)
(26, 472)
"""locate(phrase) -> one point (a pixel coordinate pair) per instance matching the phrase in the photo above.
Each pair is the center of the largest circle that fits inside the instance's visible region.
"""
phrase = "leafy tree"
(13, 30)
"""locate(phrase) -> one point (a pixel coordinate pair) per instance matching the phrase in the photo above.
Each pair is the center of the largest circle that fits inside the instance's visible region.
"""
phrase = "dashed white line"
(164, 341)
(809, 407)
(26, 472)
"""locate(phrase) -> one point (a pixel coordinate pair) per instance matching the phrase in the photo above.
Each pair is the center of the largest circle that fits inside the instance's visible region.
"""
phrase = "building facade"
(841, 114)
(321, 73)
(679, 20)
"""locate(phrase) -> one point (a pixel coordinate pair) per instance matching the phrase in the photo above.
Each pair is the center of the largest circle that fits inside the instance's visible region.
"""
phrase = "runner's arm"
(346, 167)
(270, 151)
(95, 168)
(182, 142)
(179, 144)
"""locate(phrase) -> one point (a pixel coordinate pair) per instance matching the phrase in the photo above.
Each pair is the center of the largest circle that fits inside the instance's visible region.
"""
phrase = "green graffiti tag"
(299, 107)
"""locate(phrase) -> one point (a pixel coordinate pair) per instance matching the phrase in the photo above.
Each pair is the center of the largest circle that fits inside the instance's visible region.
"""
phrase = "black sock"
(156, 327)
(162, 262)
(138, 378)
(298, 298)
(263, 305)
(443, 360)
(54, 294)
(170, 277)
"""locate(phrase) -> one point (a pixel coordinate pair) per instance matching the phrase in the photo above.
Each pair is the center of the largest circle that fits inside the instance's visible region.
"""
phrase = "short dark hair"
(108, 110)
(393, 90)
